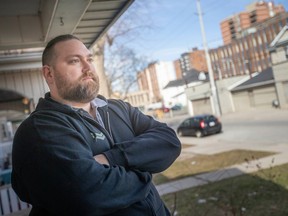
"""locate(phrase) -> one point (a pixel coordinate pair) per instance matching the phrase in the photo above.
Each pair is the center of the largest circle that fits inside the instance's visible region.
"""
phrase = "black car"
(199, 125)
(176, 107)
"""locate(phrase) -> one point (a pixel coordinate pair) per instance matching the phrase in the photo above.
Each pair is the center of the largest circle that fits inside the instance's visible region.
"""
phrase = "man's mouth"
(88, 78)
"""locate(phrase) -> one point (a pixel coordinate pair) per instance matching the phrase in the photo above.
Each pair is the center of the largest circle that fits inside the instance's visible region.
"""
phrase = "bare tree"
(98, 54)
(126, 29)
(122, 69)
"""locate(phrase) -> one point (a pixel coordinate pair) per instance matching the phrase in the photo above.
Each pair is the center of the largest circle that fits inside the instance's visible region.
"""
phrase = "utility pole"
(214, 93)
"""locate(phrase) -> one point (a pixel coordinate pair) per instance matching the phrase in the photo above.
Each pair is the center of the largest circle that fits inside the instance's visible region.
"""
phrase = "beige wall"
(256, 98)
(28, 83)
(224, 86)
(281, 80)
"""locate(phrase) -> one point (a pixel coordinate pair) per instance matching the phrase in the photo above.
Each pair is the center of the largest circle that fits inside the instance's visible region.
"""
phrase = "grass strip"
(205, 163)
(257, 194)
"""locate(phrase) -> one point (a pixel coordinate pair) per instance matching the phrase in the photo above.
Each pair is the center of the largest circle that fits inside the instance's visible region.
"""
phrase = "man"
(80, 154)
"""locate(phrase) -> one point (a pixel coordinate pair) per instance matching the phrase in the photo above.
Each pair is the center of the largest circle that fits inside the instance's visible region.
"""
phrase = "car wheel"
(180, 133)
(198, 134)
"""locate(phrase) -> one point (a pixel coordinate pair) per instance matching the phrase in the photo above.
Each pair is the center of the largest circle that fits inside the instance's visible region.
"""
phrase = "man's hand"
(101, 158)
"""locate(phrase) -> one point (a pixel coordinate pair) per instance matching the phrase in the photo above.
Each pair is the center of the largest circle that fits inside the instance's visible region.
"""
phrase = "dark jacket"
(54, 168)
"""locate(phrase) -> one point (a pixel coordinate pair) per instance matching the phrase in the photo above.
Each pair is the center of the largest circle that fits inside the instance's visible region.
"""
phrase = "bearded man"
(79, 154)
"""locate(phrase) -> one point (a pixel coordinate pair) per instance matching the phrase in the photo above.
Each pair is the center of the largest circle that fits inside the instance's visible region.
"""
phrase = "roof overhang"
(32, 23)
(27, 25)
(280, 40)
(254, 85)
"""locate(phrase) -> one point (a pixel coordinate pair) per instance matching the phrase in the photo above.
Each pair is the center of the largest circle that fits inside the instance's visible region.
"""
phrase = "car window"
(196, 121)
(192, 122)
(186, 123)
(209, 118)
(212, 118)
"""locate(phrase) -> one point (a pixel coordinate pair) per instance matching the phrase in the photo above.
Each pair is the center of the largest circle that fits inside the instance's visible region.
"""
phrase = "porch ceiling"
(27, 25)
(32, 23)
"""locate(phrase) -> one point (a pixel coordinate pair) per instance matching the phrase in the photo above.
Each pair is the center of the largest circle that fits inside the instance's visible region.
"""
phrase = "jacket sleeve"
(154, 147)
(53, 167)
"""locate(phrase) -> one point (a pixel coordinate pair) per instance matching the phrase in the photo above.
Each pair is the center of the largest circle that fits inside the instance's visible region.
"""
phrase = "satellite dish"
(202, 76)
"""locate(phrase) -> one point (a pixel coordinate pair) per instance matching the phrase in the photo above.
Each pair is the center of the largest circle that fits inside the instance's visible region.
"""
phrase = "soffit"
(32, 23)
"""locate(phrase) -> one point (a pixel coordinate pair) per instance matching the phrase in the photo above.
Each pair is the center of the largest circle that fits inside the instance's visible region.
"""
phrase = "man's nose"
(86, 65)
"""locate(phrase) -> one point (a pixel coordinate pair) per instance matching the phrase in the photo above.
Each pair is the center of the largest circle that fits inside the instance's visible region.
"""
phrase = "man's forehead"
(72, 48)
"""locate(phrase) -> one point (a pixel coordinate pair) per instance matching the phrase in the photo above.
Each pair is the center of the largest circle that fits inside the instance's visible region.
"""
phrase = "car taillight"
(202, 124)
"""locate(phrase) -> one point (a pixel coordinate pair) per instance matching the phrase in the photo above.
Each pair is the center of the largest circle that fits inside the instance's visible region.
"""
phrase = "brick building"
(246, 37)
(233, 26)
(151, 82)
(240, 60)
(148, 81)
(190, 60)
(249, 53)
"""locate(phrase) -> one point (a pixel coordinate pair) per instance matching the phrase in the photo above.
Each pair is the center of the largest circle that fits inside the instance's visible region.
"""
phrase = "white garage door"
(241, 101)
(202, 106)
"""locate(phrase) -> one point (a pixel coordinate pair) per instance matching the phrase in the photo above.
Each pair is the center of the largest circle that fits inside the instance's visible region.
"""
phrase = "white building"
(165, 73)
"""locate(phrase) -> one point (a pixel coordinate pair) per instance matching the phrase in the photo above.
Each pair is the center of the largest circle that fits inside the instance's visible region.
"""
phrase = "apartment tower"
(233, 26)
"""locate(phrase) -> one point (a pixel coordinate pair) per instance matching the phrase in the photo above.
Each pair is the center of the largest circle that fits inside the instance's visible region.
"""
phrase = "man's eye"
(90, 60)
(74, 61)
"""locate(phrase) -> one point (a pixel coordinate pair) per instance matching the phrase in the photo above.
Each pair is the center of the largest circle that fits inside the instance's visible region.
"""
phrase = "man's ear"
(47, 73)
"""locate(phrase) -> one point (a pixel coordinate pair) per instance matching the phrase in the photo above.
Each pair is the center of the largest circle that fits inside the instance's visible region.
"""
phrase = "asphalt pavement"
(256, 130)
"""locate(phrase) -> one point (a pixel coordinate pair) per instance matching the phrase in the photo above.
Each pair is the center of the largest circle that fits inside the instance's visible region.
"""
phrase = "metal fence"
(9, 201)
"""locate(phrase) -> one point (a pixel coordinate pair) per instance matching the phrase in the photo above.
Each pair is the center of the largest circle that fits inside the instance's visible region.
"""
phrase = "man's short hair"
(48, 51)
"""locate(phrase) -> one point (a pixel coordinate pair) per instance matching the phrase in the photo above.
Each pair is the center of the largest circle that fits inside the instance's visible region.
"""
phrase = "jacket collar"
(98, 102)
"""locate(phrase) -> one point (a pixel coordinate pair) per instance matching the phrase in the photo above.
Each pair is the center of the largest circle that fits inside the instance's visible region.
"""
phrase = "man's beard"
(79, 91)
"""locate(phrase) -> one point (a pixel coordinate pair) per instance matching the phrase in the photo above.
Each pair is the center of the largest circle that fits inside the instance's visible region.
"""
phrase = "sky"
(176, 28)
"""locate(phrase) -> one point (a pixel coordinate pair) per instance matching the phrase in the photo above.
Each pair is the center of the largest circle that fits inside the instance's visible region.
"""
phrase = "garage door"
(241, 101)
(263, 97)
(202, 106)
(256, 98)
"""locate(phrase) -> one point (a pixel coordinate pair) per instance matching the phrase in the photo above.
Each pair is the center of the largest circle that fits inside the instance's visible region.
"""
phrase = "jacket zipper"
(99, 127)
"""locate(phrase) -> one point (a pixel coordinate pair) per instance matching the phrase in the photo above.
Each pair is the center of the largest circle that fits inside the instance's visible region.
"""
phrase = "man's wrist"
(101, 158)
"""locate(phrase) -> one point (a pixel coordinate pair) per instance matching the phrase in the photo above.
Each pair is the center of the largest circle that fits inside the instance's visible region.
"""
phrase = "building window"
(254, 41)
(212, 57)
(237, 48)
(274, 30)
(261, 48)
(264, 37)
(224, 66)
(259, 39)
(241, 46)
(230, 51)
(280, 24)
(246, 45)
